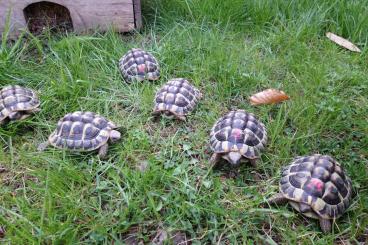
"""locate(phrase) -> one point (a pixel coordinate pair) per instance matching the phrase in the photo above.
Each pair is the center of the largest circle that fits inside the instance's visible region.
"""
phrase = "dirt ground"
(43, 15)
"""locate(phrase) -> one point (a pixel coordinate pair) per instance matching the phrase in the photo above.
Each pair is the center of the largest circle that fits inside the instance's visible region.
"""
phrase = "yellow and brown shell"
(177, 97)
(81, 131)
(318, 181)
(14, 98)
(139, 65)
(238, 131)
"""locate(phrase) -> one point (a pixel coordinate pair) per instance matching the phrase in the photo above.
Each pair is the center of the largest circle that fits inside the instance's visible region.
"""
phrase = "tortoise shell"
(81, 131)
(139, 65)
(318, 181)
(238, 131)
(14, 98)
(177, 97)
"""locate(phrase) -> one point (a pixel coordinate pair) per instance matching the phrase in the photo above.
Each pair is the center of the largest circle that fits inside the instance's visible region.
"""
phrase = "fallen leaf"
(268, 96)
(342, 42)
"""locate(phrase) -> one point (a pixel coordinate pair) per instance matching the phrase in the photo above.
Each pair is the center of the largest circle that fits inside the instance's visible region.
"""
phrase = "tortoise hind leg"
(102, 152)
(325, 224)
(24, 116)
(17, 115)
(33, 111)
(253, 162)
(277, 199)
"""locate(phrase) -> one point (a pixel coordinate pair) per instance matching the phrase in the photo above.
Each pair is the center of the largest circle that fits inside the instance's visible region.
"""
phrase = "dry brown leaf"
(342, 42)
(268, 96)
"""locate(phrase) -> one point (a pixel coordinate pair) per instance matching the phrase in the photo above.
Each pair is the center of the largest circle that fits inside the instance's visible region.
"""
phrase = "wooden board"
(122, 15)
(137, 13)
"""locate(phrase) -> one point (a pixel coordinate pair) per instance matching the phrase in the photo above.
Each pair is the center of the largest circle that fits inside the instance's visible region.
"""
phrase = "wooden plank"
(102, 14)
(137, 13)
(119, 15)
(123, 15)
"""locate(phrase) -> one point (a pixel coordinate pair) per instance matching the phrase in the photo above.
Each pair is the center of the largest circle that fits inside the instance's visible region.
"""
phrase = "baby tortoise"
(317, 186)
(139, 65)
(237, 136)
(83, 131)
(176, 99)
(17, 103)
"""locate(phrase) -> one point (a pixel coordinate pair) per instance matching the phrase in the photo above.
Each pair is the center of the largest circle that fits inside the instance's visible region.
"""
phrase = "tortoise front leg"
(102, 152)
(43, 146)
(181, 118)
(155, 115)
(215, 158)
(326, 225)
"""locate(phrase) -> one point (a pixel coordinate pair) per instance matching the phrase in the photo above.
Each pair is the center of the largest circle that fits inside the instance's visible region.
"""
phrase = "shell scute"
(77, 130)
(66, 129)
(99, 122)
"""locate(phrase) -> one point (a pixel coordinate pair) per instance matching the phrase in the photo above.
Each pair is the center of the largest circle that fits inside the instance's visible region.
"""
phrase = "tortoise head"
(233, 157)
(168, 114)
(115, 135)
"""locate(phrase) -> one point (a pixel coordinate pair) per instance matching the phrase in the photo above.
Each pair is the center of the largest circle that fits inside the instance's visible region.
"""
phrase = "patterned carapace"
(81, 131)
(238, 131)
(318, 181)
(139, 65)
(177, 97)
(15, 101)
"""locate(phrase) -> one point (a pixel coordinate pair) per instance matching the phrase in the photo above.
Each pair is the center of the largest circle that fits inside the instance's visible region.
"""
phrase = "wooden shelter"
(72, 15)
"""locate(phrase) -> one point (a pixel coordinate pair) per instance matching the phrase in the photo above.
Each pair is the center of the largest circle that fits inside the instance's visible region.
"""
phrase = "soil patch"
(46, 15)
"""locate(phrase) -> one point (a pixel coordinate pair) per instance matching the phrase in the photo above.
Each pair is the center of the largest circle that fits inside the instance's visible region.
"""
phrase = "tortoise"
(139, 65)
(83, 131)
(317, 186)
(236, 137)
(176, 99)
(17, 103)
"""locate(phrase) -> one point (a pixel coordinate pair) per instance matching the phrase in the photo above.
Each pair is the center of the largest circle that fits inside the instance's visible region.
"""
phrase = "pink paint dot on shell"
(237, 133)
(142, 68)
(316, 184)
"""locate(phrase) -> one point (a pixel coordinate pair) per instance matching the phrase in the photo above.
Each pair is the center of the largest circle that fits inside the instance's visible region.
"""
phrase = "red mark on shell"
(142, 68)
(237, 133)
(316, 184)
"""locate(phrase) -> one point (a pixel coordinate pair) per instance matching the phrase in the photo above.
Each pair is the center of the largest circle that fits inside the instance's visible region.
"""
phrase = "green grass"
(228, 49)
